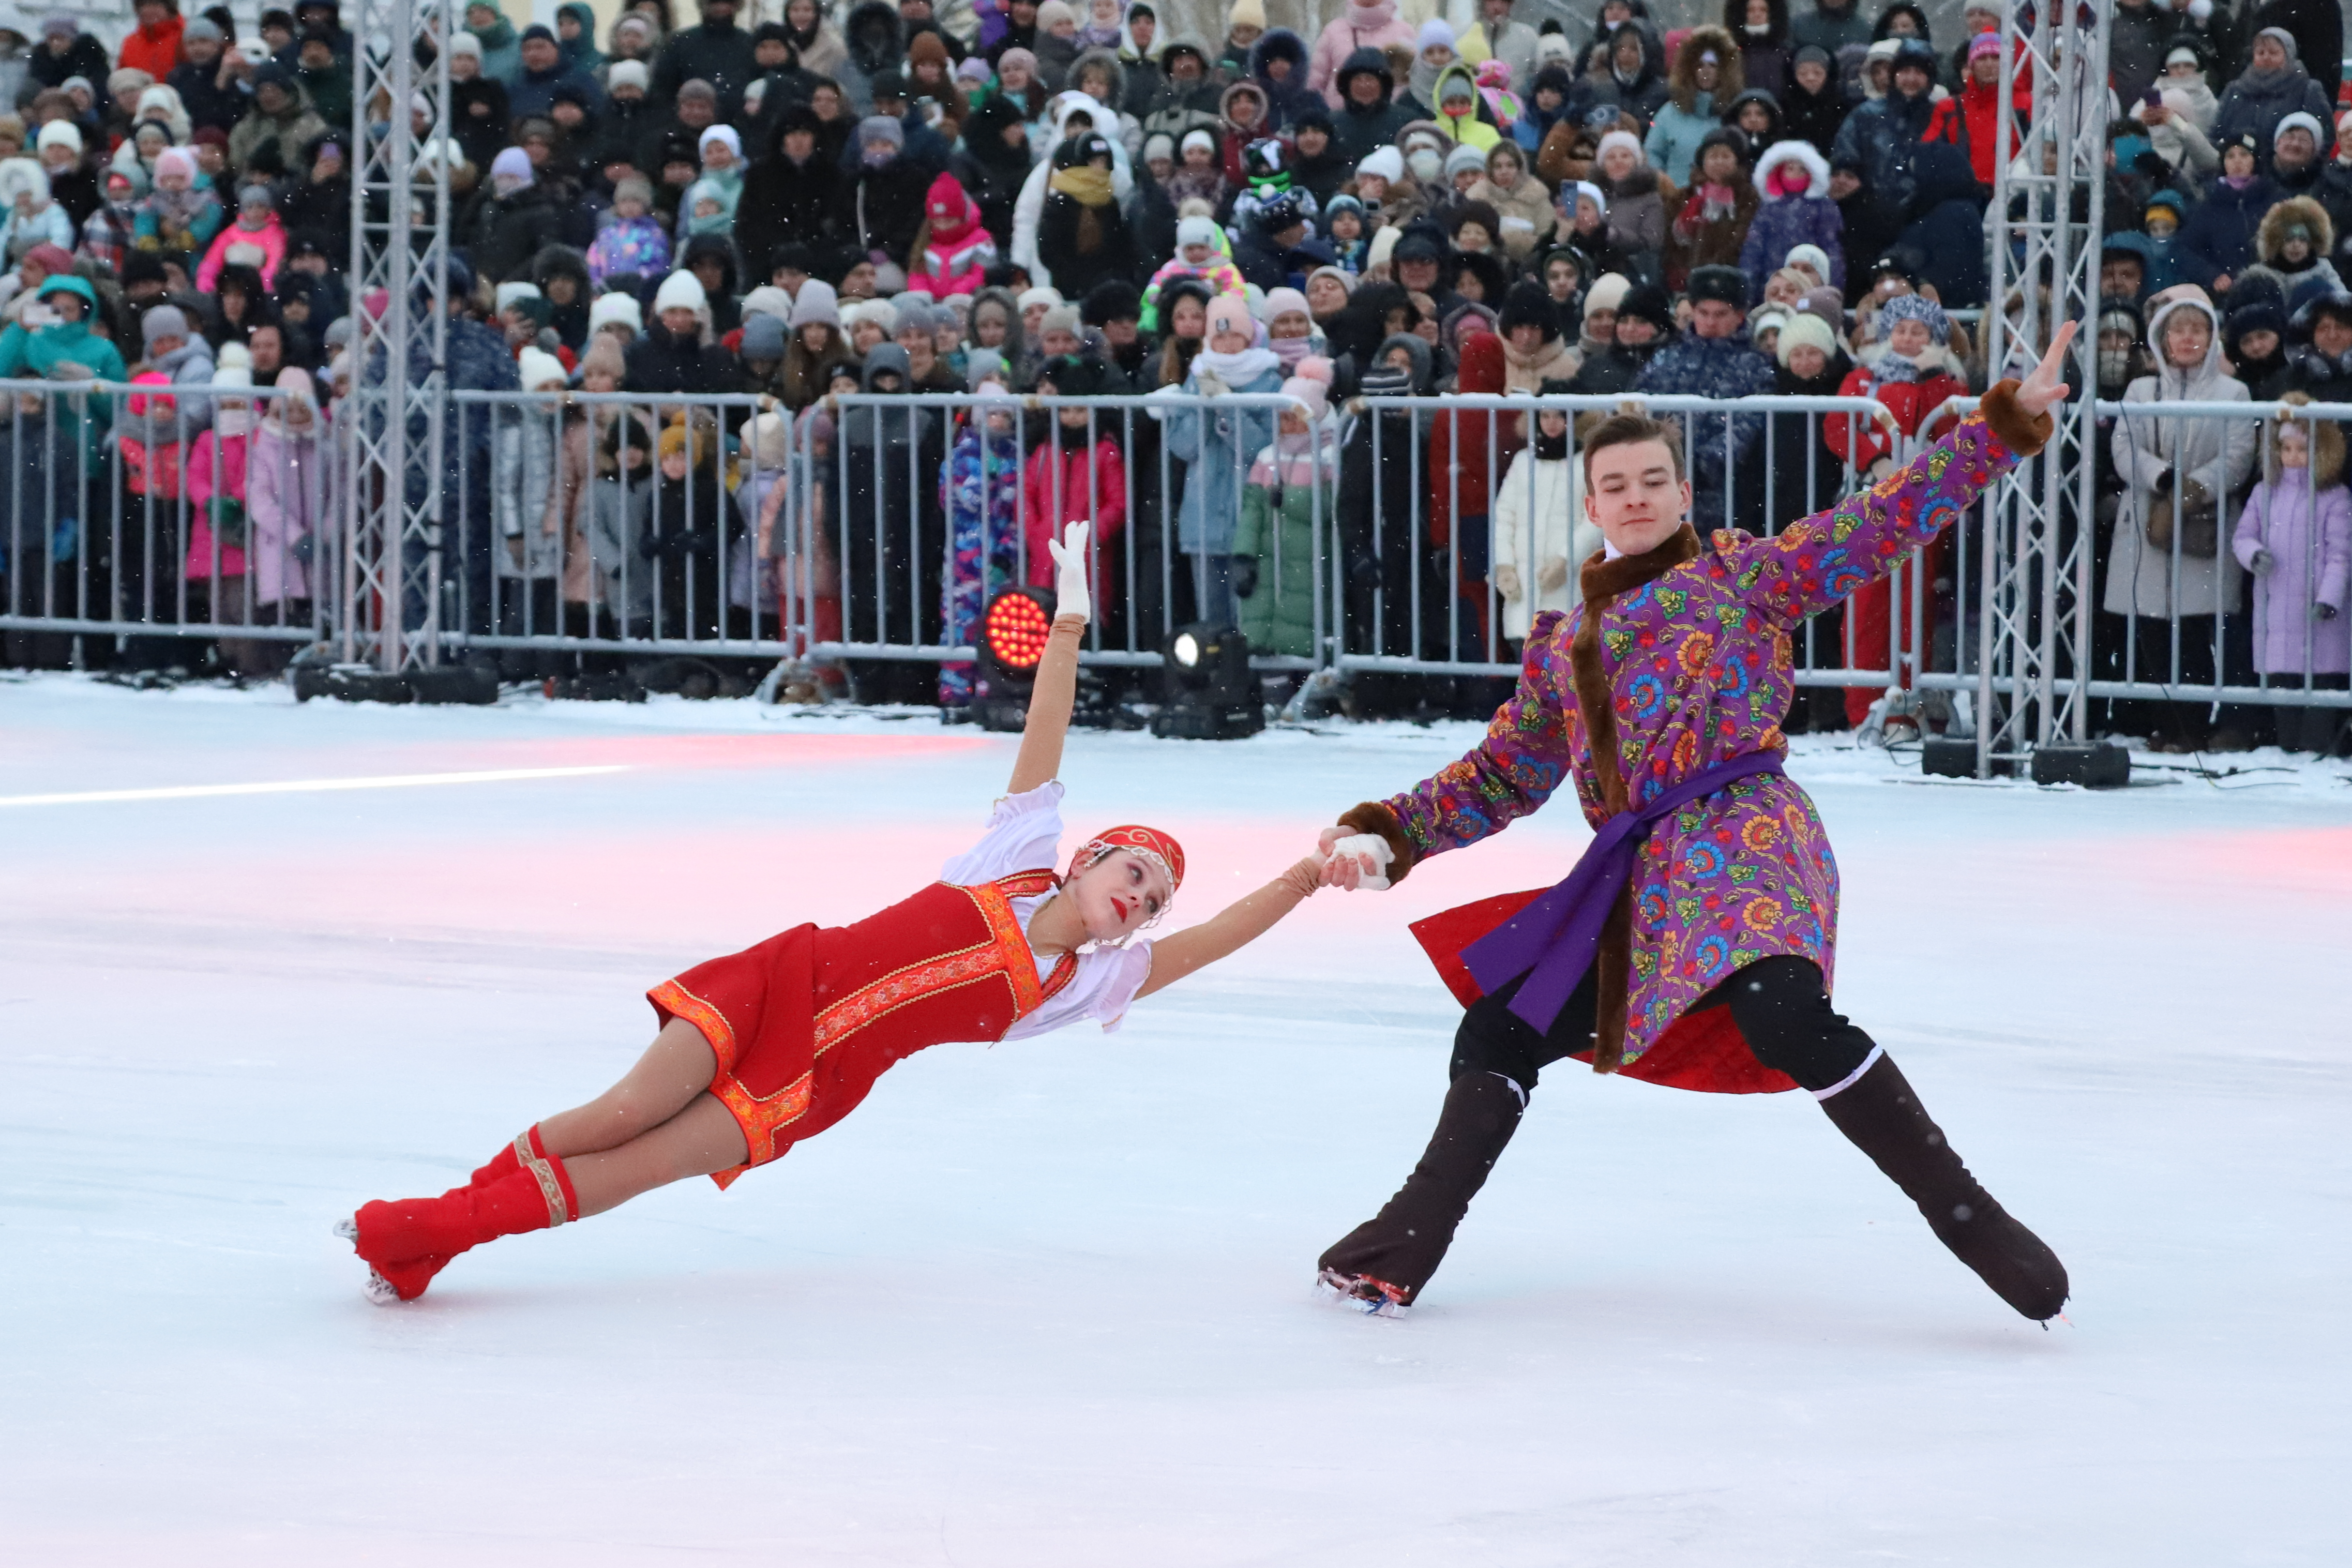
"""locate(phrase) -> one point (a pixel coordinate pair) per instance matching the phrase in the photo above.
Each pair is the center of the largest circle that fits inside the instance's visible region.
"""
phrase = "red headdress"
(1148, 842)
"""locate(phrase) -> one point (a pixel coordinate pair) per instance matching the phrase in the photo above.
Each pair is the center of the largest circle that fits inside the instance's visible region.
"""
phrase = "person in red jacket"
(1468, 451)
(1912, 373)
(1971, 120)
(153, 46)
(1069, 480)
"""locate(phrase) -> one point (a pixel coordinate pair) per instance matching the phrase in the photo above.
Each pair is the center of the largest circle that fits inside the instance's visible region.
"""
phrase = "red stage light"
(1015, 627)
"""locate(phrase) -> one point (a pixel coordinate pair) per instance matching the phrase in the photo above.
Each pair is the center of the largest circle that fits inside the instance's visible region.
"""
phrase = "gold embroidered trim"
(550, 1186)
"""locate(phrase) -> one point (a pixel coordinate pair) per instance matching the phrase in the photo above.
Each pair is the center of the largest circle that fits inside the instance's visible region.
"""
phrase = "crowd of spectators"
(993, 198)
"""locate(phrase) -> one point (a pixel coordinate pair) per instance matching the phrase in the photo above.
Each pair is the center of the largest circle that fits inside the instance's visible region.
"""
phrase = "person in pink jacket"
(2295, 537)
(257, 239)
(289, 499)
(1360, 26)
(954, 252)
(1071, 482)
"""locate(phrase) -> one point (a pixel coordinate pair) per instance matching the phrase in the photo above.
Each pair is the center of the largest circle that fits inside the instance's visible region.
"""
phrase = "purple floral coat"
(1699, 671)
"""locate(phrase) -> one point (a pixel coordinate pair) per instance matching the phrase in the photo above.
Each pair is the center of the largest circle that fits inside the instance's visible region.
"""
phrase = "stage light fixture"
(1013, 630)
(1210, 691)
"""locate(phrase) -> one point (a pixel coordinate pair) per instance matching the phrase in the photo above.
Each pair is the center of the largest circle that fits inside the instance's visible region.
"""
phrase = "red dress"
(803, 1023)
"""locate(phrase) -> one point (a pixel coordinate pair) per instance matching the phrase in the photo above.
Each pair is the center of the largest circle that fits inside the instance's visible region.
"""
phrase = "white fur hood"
(1804, 153)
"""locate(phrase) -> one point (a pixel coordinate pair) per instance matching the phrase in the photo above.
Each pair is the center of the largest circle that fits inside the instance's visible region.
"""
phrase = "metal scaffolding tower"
(2033, 640)
(392, 563)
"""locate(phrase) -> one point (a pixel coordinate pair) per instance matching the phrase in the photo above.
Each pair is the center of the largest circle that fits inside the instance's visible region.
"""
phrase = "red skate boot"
(406, 1243)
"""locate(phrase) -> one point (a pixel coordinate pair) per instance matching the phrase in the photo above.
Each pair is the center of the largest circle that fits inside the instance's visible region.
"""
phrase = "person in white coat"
(2167, 557)
(1029, 207)
(1541, 532)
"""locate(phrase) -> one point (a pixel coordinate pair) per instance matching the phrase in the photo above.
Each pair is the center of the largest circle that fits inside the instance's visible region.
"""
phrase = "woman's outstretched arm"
(1055, 690)
(1240, 923)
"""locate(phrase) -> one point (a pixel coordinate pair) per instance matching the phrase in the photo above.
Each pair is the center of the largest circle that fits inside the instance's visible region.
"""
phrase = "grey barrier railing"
(1399, 536)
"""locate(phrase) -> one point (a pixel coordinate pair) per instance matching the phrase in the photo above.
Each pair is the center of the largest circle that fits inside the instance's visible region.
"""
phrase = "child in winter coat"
(2295, 537)
(1794, 181)
(1711, 230)
(981, 492)
(954, 252)
(1069, 481)
(1343, 231)
(218, 529)
(289, 499)
(1200, 254)
(1292, 487)
(182, 213)
(620, 516)
(631, 241)
(1541, 532)
(257, 239)
(1912, 372)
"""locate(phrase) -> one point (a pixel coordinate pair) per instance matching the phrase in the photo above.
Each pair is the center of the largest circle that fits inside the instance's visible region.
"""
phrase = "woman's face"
(865, 336)
(1371, 189)
(1119, 895)
(1326, 294)
(1469, 284)
(1013, 77)
(2237, 161)
(1619, 161)
(1760, 13)
(801, 13)
(1709, 73)
(816, 337)
(2269, 55)
(2187, 335)
(1720, 165)
(232, 305)
(1806, 362)
(2182, 71)
(2258, 344)
(987, 327)
(1032, 317)
(1189, 320)
(826, 102)
(1812, 75)
(1629, 54)
(1908, 337)
(1504, 170)
(1755, 119)
(1902, 25)
(1291, 324)
(1600, 326)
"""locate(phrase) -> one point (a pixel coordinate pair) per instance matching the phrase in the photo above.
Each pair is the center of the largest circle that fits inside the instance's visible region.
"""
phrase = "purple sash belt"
(1552, 940)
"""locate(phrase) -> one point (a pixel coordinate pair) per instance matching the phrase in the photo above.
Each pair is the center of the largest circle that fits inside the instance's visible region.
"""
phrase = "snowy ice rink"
(1049, 1304)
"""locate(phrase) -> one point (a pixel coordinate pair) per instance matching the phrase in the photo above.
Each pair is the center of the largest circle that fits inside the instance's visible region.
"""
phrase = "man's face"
(1635, 496)
(1715, 319)
(720, 12)
(270, 97)
(1141, 30)
(2331, 334)
(201, 51)
(1120, 331)
(1186, 67)
(2295, 148)
(539, 55)
(1364, 90)
(1985, 70)
(2120, 278)
(695, 112)
(150, 13)
(770, 54)
(1910, 80)
(1418, 275)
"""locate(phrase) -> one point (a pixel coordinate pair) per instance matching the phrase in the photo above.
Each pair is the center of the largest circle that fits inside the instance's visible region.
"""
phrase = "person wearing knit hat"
(761, 340)
(59, 133)
(769, 299)
(506, 294)
(1464, 161)
(539, 370)
(681, 291)
(1804, 329)
(815, 306)
(1597, 332)
(616, 310)
(631, 74)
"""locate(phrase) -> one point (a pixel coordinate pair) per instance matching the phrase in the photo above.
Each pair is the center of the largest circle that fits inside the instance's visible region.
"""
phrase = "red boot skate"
(405, 1244)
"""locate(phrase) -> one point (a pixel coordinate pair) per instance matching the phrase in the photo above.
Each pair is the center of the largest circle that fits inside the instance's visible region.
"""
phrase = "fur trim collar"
(1804, 153)
(1603, 580)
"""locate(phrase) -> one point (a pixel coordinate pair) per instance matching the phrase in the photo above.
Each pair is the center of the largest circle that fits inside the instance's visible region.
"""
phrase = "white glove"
(1209, 383)
(1071, 596)
(1372, 850)
(1507, 584)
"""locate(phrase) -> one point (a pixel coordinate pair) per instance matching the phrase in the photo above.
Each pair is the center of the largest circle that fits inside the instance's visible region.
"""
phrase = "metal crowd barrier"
(868, 530)
(125, 512)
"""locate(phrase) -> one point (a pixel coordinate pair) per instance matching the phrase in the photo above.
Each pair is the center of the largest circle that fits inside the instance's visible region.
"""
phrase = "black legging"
(1777, 1004)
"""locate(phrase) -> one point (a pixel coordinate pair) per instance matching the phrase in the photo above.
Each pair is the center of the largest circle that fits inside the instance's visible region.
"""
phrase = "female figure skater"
(775, 1044)
(1693, 943)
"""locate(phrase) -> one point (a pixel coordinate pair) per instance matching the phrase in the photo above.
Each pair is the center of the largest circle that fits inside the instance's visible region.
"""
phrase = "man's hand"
(2037, 392)
(1357, 859)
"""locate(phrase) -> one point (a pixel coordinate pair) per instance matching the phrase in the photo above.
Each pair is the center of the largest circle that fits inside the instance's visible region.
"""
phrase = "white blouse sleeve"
(1124, 972)
(1024, 834)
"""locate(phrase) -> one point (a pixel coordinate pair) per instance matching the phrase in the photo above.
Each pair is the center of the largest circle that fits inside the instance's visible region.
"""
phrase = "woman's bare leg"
(702, 1139)
(675, 1068)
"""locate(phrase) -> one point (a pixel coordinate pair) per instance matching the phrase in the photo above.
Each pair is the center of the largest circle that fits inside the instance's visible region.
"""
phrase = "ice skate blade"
(348, 1228)
(1365, 1298)
(380, 1291)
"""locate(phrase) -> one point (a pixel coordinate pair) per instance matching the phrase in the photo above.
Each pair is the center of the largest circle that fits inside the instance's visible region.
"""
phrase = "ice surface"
(1049, 1304)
